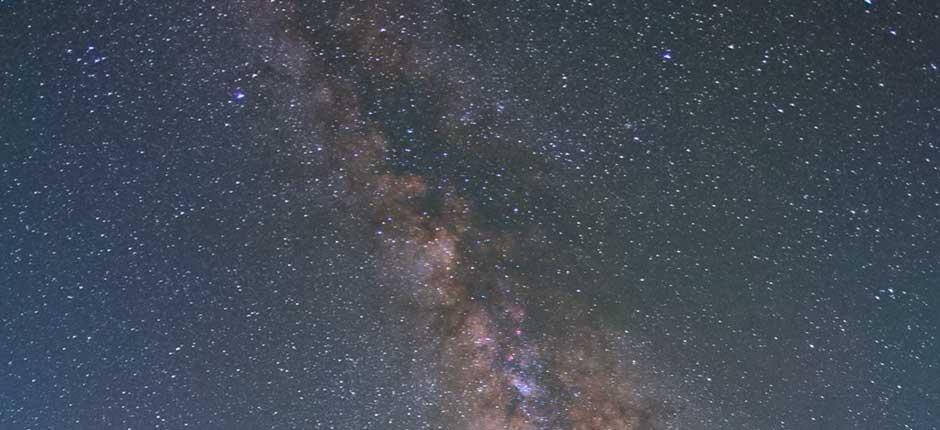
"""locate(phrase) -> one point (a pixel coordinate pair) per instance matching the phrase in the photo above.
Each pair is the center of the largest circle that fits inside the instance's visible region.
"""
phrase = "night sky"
(513, 215)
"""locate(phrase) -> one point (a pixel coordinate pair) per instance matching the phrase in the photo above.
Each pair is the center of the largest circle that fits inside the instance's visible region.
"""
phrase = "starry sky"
(459, 215)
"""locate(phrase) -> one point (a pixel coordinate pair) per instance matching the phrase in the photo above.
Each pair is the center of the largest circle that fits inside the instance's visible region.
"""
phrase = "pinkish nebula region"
(491, 360)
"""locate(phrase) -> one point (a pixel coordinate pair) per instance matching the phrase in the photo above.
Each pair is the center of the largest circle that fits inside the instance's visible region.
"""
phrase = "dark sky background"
(457, 215)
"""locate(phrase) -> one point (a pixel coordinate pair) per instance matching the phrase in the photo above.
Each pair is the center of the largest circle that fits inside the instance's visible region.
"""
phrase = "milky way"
(469, 215)
(497, 372)
(497, 368)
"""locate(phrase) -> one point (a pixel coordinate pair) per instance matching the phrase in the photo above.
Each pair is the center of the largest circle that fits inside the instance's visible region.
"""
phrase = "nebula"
(497, 365)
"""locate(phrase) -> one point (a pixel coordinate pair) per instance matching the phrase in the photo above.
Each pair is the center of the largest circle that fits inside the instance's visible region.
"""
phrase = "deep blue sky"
(736, 208)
